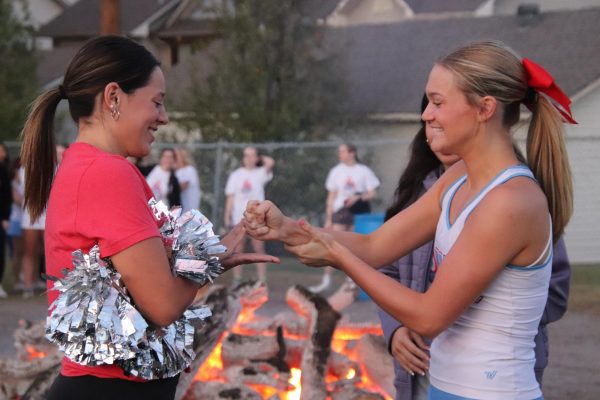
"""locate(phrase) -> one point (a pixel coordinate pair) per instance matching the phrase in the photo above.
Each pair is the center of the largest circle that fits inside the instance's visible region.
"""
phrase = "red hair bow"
(540, 80)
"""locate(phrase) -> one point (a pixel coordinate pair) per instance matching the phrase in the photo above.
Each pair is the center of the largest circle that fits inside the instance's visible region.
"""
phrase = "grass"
(585, 289)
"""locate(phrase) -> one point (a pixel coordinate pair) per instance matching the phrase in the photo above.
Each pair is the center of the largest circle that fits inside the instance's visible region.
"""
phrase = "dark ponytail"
(38, 161)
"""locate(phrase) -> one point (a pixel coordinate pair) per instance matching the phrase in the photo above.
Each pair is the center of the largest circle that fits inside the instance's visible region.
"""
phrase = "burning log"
(220, 391)
(259, 374)
(36, 360)
(322, 321)
(371, 352)
(226, 306)
(342, 367)
(240, 349)
(292, 323)
(350, 391)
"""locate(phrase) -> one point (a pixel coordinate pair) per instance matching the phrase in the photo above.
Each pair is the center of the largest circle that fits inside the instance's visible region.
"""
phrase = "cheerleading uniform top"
(488, 352)
(96, 198)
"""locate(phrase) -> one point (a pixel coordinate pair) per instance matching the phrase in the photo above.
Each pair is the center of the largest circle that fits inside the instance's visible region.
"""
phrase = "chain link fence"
(298, 184)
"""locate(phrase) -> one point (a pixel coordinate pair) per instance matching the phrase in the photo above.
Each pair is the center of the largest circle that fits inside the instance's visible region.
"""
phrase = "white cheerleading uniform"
(488, 352)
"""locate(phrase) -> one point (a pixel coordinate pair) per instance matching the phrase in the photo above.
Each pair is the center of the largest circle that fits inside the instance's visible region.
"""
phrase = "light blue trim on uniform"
(518, 166)
(437, 394)
(508, 178)
(533, 267)
(454, 187)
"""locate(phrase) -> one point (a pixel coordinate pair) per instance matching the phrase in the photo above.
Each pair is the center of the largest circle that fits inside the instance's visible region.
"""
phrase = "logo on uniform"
(436, 259)
(490, 374)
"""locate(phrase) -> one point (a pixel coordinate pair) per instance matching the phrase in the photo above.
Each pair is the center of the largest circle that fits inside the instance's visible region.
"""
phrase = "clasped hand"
(312, 246)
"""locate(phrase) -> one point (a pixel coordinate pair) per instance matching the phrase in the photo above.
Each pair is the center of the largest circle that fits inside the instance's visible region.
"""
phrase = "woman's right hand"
(410, 350)
(263, 220)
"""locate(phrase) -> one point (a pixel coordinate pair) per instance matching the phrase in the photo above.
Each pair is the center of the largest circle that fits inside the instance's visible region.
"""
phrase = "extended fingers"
(412, 358)
(236, 259)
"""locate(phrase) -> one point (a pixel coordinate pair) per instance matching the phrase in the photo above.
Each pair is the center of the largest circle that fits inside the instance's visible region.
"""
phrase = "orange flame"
(296, 375)
(33, 353)
(212, 368)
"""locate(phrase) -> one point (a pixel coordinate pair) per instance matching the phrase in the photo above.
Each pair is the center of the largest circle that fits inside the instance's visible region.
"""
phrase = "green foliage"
(272, 79)
(17, 72)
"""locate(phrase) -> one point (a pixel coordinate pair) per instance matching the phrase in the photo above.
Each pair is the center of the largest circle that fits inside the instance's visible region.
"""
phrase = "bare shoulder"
(518, 207)
(520, 194)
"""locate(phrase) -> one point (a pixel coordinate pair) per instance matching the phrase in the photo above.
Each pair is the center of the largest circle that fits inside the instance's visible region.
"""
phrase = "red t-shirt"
(101, 198)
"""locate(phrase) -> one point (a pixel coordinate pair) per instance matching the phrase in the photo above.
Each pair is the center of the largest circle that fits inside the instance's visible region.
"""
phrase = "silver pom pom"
(95, 322)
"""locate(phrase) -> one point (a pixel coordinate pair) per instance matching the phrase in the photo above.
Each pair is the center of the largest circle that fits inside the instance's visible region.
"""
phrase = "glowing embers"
(266, 358)
(33, 352)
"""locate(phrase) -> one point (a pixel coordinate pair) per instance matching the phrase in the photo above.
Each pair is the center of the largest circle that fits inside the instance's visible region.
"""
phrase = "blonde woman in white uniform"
(493, 220)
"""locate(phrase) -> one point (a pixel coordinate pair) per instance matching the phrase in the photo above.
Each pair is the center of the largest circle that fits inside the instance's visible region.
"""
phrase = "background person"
(350, 187)
(33, 244)
(244, 184)
(5, 207)
(15, 231)
(163, 181)
(189, 183)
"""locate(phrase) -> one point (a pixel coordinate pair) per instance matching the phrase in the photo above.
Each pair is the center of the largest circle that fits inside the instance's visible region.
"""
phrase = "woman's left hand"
(231, 258)
(319, 251)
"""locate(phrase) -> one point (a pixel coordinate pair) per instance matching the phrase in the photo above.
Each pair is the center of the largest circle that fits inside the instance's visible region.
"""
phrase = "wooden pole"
(110, 21)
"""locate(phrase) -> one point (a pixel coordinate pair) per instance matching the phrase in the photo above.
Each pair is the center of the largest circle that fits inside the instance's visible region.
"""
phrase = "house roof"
(386, 66)
(53, 63)
(438, 6)
(187, 21)
(82, 20)
(318, 9)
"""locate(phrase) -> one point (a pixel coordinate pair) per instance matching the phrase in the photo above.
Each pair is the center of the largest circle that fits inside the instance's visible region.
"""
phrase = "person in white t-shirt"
(349, 184)
(244, 184)
(33, 238)
(162, 179)
(189, 183)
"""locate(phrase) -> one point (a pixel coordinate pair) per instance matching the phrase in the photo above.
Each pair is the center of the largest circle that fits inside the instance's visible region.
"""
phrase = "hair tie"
(531, 97)
(540, 81)
(61, 92)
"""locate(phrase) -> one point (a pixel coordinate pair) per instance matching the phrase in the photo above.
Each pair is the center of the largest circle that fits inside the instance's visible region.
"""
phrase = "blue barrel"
(367, 223)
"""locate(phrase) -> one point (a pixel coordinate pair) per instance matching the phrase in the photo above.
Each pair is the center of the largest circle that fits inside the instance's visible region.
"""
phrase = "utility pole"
(110, 21)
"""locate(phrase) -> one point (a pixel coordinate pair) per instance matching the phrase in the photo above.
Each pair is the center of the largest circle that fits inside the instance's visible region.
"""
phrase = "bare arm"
(401, 234)
(329, 208)
(370, 195)
(268, 163)
(228, 210)
(17, 198)
(502, 229)
(159, 296)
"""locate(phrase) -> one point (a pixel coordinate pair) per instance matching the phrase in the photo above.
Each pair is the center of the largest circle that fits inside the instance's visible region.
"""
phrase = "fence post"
(217, 185)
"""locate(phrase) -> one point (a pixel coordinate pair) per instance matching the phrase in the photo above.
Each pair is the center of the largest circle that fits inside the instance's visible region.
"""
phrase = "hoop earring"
(114, 112)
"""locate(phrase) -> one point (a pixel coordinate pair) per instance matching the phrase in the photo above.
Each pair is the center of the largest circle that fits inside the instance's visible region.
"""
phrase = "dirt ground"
(574, 340)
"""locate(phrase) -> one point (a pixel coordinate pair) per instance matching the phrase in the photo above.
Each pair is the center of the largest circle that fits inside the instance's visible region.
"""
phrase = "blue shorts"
(14, 229)
(437, 394)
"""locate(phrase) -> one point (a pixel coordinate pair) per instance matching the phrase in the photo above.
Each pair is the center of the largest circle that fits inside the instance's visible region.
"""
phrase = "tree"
(18, 64)
(272, 79)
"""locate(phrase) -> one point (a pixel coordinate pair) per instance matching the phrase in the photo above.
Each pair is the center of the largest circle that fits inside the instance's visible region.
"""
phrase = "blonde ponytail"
(547, 157)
